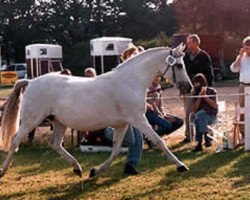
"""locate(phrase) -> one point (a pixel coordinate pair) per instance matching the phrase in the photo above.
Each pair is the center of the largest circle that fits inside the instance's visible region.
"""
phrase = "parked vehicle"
(20, 68)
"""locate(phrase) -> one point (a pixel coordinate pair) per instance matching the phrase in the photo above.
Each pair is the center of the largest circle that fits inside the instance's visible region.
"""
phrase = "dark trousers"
(164, 126)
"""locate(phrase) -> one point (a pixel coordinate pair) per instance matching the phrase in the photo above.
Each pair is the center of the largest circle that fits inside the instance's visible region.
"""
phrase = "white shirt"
(244, 69)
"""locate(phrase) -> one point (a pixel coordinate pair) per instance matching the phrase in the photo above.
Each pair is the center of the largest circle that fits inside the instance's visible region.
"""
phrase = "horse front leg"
(144, 127)
(117, 142)
(56, 144)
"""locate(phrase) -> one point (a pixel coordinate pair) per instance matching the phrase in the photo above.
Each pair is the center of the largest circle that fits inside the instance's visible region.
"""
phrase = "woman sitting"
(205, 110)
(163, 123)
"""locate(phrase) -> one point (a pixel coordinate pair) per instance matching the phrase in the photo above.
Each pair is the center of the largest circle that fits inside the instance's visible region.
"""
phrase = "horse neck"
(143, 69)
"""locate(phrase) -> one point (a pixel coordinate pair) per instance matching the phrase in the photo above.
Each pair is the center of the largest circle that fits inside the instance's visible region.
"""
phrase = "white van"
(20, 68)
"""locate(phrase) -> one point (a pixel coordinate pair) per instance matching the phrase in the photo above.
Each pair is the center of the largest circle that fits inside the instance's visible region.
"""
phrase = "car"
(20, 68)
(3, 67)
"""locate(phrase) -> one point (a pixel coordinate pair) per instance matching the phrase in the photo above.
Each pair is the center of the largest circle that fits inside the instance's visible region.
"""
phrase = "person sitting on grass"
(164, 123)
(205, 110)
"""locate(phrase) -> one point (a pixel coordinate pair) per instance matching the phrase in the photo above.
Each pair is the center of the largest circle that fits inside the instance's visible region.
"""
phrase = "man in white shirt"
(242, 65)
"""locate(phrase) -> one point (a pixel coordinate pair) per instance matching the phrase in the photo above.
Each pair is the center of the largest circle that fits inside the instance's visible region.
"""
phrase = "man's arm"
(211, 101)
(209, 72)
(235, 67)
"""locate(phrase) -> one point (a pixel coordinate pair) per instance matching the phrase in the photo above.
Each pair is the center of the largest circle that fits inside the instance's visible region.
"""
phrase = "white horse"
(115, 99)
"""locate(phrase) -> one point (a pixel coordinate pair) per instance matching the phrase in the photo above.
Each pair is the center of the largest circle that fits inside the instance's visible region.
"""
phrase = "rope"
(200, 96)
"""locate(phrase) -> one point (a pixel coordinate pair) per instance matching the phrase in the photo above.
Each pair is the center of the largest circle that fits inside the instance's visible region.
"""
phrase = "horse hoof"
(92, 173)
(182, 168)
(78, 172)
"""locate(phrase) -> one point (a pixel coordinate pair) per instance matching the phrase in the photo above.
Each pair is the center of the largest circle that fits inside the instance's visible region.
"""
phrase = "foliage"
(160, 40)
(73, 23)
(213, 16)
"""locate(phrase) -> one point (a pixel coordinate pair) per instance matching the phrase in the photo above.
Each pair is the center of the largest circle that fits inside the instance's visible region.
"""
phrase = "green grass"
(39, 173)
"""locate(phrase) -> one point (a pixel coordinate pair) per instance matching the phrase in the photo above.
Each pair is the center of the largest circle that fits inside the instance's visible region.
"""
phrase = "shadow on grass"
(38, 159)
(241, 170)
(48, 160)
(206, 164)
(202, 165)
(13, 196)
(79, 189)
(155, 158)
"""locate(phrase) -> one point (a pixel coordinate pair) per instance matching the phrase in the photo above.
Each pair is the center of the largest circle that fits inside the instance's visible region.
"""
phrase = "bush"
(77, 57)
(160, 40)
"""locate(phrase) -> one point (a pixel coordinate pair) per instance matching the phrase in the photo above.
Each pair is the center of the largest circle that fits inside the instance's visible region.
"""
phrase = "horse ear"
(179, 47)
(179, 50)
(183, 47)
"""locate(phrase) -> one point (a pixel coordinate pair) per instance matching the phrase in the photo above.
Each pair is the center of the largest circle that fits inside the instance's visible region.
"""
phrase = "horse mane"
(137, 57)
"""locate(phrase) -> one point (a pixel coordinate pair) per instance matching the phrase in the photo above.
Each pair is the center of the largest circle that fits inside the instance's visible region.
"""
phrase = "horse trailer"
(106, 52)
(42, 59)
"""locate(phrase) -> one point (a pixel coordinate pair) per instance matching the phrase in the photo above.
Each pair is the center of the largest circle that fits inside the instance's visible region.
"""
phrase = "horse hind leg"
(16, 141)
(56, 144)
(117, 142)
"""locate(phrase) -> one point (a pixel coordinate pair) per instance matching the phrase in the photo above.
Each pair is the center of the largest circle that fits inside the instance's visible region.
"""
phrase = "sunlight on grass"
(39, 173)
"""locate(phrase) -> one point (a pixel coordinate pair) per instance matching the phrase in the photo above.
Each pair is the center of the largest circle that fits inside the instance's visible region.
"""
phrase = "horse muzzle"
(184, 88)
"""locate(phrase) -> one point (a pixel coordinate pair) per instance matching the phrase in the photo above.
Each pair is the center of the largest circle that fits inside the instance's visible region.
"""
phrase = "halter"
(169, 65)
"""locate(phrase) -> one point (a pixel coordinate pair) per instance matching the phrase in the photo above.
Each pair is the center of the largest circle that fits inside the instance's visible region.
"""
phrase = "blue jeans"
(135, 144)
(202, 120)
(135, 148)
(164, 125)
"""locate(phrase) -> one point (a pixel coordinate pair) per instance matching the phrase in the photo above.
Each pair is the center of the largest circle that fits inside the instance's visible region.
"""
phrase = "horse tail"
(11, 115)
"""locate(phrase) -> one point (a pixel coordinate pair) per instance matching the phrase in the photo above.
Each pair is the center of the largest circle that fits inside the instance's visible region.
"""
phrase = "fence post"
(247, 118)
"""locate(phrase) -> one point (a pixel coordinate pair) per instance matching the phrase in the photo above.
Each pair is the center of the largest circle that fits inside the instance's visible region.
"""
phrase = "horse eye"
(179, 66)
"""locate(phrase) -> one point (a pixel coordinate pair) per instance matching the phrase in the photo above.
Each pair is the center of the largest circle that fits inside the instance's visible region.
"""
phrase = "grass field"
(39, 173)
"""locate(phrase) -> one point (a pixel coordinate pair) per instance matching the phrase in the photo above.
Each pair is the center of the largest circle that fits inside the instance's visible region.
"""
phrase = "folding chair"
(214, 133)
(237, 135)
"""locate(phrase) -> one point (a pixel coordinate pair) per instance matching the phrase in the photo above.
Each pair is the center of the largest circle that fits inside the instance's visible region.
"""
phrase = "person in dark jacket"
(196, 61)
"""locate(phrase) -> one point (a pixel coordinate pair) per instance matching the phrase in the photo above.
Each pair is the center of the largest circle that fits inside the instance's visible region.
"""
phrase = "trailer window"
(43, 51)
(110, 47)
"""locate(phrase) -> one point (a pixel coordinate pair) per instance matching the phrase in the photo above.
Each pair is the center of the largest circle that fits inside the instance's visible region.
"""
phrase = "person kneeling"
(205, 110)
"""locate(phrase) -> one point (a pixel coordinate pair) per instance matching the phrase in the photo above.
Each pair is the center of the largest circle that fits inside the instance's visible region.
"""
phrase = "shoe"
(150, 144)
(185, 140)
(208, 144)
(130, 170)
(198, 148)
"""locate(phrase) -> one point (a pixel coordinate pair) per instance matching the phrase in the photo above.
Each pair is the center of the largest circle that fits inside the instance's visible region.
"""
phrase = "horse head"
(176, 70)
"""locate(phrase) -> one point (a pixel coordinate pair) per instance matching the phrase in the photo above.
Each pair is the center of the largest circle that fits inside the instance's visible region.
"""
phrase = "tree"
(145, 19)
(213, 16)
(15, 19)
